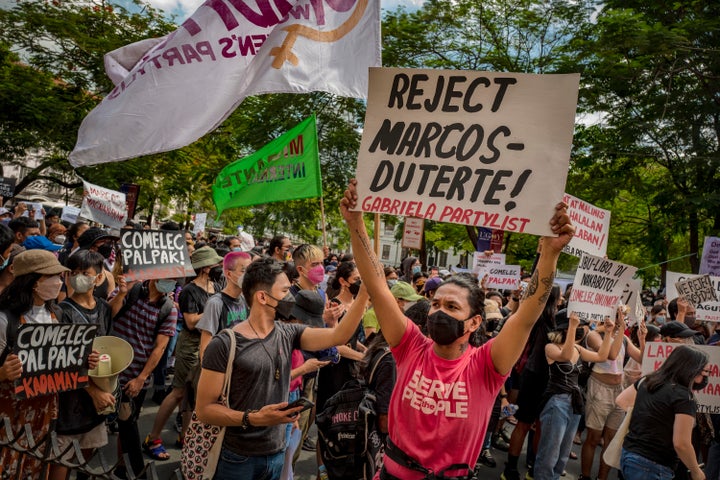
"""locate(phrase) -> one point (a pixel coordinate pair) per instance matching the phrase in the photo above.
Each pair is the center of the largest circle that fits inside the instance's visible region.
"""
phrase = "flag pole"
(322, 220)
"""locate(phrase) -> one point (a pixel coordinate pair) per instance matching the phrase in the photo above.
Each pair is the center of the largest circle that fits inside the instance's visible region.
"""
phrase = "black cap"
(676, 329)
(92, 235)
(309, 307)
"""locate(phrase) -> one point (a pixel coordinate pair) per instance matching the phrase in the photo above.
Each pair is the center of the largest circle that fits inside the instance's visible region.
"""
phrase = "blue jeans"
(232, 466)
(557, 430)
(712, 468)
(637, 467)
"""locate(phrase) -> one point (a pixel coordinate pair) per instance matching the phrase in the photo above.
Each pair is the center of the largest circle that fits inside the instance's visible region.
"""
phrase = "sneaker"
(178, 423)
(487, 459)
(509, 474)
(530, 474)
(309, 445)
(499, 442)
(322, 473)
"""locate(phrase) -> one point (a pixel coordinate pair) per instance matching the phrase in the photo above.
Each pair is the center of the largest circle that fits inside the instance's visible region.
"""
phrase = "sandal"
(155, 449)
(573, 455)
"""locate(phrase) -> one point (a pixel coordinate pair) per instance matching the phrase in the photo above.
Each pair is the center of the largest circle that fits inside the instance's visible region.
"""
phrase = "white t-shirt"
(37, 314)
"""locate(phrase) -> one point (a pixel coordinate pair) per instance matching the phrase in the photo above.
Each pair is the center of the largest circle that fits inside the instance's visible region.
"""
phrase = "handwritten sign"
(503, 277)
(710, 261)
(697, 290)
(54, 357)
(631, 297)
(708, 398)
(413, 233)
(35, 207)
(103, 206)
(70, 214)
(592, 226)
(598, 287)
(707, 311)
(150, 254)
(481, 262)
(7, 187)
(474, 148)
(199, 225)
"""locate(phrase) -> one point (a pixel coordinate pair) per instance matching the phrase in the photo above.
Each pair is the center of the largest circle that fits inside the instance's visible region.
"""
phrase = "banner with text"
(710, 261)
(489, 239)
(148, 254)
(592, 227)
(199, 223)
(598, 287)
(474, 148)
(708, 399)
(54, 357)
(707, 311)
(288, 168)
(413, 233)
(697, 290)
(503, 277)
(70, 214)
(7, 187)
(631, 298)
(482, 262)
(104, 206)
(171, 91)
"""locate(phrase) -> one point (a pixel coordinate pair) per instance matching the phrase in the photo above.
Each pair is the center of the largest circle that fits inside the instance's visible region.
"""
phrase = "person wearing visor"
(446, 388)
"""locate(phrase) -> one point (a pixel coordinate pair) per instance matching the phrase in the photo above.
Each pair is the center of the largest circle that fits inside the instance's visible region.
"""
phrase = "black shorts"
(532, 387)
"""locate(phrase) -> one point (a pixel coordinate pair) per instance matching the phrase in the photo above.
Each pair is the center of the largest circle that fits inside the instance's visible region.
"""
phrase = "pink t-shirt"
(296, 360)
(439, 409)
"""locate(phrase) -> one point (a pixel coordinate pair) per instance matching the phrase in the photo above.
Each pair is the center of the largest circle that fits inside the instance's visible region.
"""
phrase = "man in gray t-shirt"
(254, 443)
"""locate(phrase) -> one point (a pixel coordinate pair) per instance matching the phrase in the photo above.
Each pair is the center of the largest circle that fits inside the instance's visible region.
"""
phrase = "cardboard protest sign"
(413, 233)
(7, 187)
(598, 287)
(592, 226)
(697, 290)
(54, 357)
(710, 261)
(35, 207)
(708, 399)
(708, 311)
(70, 214)
(474, 148)
(503, 277)
(154, 254)
(199, 225)
(631, 298)
(481, 262)
(104, 206)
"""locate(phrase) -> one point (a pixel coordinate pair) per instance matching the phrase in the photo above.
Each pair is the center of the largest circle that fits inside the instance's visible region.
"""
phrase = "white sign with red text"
(413, 233)
(592, 227)
(104, 206)
(503, 277)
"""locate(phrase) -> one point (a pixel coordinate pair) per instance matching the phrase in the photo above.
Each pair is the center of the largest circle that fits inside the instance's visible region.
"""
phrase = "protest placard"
(481, 262)
(70, 214)
(503, 277)
(54, 357)
(413, 233)
(132, 193)
(710, 261)
(598, 287)
(474, 148)
(103, 205)
(631, 298)
(34, 207)
(708, 399)
(592, 226)
(7, 187)
(707, 311)
(199, 224)
(697, 290)
(150, 254)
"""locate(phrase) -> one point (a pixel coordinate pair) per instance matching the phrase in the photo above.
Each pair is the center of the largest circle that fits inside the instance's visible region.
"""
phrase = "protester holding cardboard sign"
(28, 299)
(420, 424)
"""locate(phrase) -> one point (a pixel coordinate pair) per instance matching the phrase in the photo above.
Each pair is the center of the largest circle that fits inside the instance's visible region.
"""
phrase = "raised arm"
(602, 354)
(392, 320)
(314, 339)
(509, 343)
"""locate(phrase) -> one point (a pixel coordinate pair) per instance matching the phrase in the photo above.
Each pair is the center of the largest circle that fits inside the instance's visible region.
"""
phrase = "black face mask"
(105, 250)
(284, 307)
(701, 385)
(215, 274)
(355, 288)
(445, 329)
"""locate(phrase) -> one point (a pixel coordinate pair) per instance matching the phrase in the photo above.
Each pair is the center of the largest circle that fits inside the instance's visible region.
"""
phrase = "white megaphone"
(115, 356)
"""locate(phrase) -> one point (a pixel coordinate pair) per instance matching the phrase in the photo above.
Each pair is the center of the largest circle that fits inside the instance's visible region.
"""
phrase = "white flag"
(171, 91)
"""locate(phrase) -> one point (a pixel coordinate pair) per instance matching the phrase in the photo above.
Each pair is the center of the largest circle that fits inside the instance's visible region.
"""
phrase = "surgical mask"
(392, 282)
(701, 385)
(355, 288)
(284, 307)
(60, 239)
(81, 283)
(334, 263)
(237, 249)
(416, 269)
(240, 280)
(4, 264)
(316, 275)
(165, 285)
(49, 288)
(105, 250)
(660, 319)
(445, 329)
(215, 274)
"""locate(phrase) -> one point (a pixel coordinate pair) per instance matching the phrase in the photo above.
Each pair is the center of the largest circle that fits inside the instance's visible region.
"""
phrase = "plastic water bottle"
(509, 410)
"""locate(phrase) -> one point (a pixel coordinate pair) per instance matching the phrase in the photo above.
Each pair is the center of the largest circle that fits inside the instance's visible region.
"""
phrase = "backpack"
(351, 443)
(134, 295)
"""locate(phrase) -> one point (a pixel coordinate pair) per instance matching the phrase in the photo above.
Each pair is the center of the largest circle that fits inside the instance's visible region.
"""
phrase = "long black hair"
(344, 270)
(18, 296)
(681, 367)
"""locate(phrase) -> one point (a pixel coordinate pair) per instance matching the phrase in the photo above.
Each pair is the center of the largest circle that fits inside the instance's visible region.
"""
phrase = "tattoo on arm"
(534, 285)
(377, 267)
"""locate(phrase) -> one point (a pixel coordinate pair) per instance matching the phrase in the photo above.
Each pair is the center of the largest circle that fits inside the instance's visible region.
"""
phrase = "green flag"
(287, 168)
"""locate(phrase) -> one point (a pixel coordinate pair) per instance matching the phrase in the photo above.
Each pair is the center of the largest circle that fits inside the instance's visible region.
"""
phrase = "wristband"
(503, 395)
(246, 419)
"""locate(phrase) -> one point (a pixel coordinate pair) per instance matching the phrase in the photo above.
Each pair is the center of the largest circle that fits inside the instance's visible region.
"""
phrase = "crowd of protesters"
(470, 362)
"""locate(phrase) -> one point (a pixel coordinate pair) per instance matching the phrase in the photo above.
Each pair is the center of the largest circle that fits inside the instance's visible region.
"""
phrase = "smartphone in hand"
(300, 402)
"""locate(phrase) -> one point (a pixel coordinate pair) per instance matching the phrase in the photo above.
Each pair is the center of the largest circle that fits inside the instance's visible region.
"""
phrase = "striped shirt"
(137, 327)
